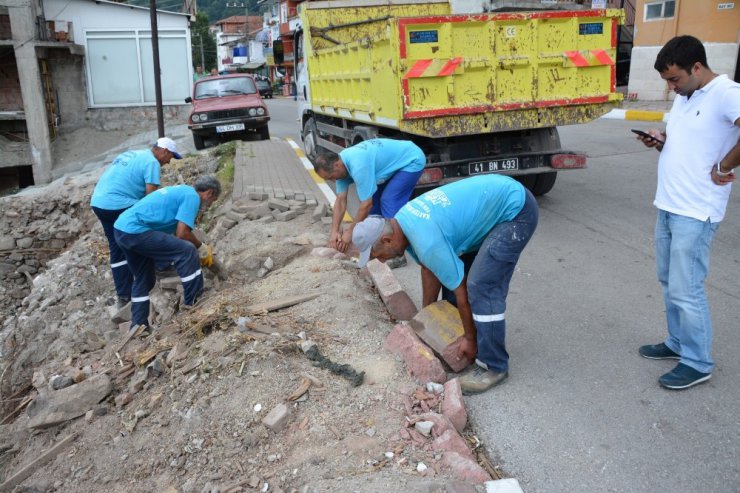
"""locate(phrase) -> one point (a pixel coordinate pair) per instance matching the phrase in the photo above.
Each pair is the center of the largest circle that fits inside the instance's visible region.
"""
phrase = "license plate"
(493, 165)
(230, 128)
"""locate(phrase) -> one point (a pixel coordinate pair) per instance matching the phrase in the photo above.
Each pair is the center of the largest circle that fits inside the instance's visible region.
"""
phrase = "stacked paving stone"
(276, 205)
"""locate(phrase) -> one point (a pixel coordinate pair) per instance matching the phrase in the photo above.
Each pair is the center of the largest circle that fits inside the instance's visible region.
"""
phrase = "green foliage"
(200, 34)
(225, 154)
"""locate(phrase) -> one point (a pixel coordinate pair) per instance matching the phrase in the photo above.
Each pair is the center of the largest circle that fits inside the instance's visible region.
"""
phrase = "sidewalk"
(274, 167)
(649, 111)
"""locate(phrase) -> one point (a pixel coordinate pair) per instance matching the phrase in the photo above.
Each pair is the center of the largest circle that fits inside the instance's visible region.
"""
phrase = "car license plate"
(230, 128)
(493, 165)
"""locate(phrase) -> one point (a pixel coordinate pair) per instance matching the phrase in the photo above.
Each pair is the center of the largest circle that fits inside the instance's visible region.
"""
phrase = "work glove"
(205, 252)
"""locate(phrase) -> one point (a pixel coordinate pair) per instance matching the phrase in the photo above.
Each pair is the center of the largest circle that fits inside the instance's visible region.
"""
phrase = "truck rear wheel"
(310, 139)
(544, 183)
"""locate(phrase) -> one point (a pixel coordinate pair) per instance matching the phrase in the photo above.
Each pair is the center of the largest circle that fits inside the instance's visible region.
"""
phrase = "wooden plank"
(271, 306)
(30, 468)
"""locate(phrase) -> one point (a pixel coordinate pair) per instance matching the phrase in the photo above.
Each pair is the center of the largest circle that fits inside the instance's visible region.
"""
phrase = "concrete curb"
(638, 115)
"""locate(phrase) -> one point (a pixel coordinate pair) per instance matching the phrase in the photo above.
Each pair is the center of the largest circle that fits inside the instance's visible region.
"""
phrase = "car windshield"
(217, 88)
(262, 84)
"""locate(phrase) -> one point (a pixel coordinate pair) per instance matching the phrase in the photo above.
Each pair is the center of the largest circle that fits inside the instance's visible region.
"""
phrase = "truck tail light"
(430, 175)
(568, 161)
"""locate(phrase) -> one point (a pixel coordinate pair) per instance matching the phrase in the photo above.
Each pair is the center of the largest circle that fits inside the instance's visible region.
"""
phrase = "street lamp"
(245, 6)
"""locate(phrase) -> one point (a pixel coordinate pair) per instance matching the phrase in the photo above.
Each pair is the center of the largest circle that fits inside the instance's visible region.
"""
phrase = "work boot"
(121, 302)
(479, 380)
(658, 351)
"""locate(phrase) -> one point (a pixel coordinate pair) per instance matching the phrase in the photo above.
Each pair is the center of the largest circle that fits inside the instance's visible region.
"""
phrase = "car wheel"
(310, 142)
(198, 142)
(265, 133)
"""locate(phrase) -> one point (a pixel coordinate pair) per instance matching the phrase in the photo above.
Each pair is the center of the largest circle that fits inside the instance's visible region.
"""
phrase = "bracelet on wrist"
(721, 173)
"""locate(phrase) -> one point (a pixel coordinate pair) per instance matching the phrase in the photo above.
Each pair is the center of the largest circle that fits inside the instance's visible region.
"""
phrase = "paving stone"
(279, 194)
(300, 196)
(277, 204)
(228, 223)
(318, 212)
(235, 216)
(259, 195)
(453, 405)
(439, 326)
(266, 220)
(419, 359)
(326, 220)
(286, 216)
(396, 300)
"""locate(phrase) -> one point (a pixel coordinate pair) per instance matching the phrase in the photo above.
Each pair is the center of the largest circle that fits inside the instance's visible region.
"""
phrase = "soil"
(197, 426)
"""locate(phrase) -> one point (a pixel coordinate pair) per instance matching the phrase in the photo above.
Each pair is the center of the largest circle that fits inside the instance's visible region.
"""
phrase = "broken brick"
(277, 418)
(419, 359)
(464, 468)
(451, 441)
(453, 405)
(439, 325)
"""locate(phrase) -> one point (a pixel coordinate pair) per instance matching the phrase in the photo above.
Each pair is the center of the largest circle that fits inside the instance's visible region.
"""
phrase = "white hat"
(169, 144)
(365, 234)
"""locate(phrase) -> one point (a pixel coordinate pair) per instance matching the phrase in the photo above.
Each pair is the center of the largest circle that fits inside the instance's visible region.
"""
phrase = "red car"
(226, 107)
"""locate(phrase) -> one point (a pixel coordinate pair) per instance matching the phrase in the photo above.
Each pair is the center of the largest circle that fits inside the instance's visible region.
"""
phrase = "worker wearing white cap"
(467, 236)
(130, 176)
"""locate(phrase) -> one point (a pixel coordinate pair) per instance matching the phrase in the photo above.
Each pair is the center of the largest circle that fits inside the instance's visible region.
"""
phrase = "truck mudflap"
(437, 174)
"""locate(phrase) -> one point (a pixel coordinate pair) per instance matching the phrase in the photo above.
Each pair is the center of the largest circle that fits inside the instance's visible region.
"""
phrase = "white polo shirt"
(701, 130)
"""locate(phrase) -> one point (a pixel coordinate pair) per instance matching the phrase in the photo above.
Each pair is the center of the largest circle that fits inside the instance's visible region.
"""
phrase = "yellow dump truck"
(479, 92)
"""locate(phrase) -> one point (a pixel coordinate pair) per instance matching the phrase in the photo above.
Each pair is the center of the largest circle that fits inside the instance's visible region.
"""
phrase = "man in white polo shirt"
(698, 152)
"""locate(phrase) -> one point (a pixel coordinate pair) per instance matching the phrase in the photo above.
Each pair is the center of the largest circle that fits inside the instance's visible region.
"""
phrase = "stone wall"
(37, 227)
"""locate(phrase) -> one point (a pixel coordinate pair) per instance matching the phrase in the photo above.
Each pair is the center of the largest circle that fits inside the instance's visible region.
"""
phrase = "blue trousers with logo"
(145, 250)
(489, 271)
(122, 277)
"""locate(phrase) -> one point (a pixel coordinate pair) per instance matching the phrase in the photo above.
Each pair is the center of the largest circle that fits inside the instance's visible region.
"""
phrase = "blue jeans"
(488, 277)
(682, 246)
(143, 251)
(122, 277)
(394, 193)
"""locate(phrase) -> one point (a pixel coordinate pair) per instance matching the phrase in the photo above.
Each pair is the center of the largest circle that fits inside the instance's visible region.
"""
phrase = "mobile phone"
(647, 135)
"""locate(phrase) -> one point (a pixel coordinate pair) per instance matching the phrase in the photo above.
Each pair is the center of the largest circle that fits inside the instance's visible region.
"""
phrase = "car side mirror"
(188, 99)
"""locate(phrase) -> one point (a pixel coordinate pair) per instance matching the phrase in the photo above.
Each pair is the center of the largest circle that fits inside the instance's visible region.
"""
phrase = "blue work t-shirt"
(454, 219)
(161, 210)
(124, 182)
(374, 161)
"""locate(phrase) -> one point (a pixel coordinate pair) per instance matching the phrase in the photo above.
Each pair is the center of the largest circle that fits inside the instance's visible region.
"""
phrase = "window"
(660, 10)
(120, 67)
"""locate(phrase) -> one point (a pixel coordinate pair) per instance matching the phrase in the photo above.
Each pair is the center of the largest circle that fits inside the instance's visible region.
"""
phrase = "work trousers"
(489, 271)
(122, 277)
(145, 250)
(394, 193)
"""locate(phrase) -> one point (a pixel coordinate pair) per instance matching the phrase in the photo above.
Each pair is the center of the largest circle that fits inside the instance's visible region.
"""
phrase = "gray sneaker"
(479, 380)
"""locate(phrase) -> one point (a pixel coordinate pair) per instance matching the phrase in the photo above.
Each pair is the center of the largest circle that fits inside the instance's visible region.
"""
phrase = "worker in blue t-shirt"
(467, 236)
(144, 233)
(130, 176)
(384, 171)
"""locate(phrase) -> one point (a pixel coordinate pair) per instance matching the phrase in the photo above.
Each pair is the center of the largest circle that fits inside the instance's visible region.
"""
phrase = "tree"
(199, 33)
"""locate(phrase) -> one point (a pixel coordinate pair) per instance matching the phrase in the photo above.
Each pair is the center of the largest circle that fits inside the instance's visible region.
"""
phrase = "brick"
(277, 418)
(420, 361)
(441, 423)
(439, 325)
(465, 469)
(453, 405)
(281, 205)
(451, 441)
(507, 485)
(396, 300)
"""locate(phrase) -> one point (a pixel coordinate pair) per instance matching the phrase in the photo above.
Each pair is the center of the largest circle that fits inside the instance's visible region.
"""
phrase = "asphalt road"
(581, 411)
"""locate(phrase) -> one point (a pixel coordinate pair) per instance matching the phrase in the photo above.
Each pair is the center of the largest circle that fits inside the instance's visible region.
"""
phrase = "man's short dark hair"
(325, 161)
(683, 52)
(207, 182)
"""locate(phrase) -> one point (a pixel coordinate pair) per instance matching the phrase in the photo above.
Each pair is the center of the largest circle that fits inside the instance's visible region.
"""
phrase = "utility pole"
(202, 58)
(157, 77)
(245, 6)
